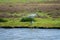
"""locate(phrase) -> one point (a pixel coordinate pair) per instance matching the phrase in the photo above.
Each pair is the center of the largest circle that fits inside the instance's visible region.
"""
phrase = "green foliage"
(26, 19)
(22, 1)
(2, 20)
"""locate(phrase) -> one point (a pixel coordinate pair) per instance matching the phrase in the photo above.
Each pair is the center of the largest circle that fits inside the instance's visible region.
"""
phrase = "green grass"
(23, 1)
(39, 22)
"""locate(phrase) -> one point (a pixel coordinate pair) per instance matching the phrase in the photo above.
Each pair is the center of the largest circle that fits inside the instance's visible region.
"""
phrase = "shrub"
(2, 20)
(26, 19)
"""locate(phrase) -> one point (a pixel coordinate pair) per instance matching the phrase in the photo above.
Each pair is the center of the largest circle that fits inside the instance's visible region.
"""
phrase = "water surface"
(29, 34)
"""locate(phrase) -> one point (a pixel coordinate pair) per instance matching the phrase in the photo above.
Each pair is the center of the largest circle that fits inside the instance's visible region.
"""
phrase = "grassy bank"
(26, 1)
(13, 22)
(42, 20)
(13, 10)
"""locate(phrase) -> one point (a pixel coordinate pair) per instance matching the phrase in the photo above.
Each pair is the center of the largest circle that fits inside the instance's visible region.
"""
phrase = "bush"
(26, 19)
(2, 20)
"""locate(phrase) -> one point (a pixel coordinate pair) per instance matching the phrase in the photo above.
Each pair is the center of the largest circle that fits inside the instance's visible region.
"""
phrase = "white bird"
(32, 15)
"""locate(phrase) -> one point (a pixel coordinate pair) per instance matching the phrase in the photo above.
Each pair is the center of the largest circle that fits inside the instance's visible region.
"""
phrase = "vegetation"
(23, 1)
(39, 23)
(20, 20)
(3, 20)
(26, 19)
(12, 11)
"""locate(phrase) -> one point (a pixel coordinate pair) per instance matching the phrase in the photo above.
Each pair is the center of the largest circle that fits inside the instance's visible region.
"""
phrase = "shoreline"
(8, 27)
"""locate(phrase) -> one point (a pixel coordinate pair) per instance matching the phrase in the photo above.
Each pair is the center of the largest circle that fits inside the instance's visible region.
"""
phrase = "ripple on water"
(29, 34)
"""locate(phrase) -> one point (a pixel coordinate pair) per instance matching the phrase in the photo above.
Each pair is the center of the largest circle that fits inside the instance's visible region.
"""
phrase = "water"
(29, 34)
